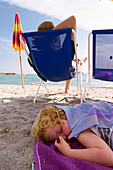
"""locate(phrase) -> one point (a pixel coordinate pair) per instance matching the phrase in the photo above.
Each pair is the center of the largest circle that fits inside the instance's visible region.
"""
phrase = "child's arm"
(96, 149)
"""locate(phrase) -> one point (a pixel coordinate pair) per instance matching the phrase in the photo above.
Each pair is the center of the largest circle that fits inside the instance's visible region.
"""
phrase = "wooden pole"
(21, 69)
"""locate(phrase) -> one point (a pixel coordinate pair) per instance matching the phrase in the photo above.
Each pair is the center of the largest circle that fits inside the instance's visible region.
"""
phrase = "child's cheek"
(66, 129)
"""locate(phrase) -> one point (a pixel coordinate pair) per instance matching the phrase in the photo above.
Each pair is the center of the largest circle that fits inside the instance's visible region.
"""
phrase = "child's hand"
(62, 146)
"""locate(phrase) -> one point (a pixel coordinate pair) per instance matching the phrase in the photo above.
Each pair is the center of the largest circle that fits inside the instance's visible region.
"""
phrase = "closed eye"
(59, 131)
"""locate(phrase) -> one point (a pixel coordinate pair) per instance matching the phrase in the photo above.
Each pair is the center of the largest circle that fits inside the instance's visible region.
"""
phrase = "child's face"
(55, 131)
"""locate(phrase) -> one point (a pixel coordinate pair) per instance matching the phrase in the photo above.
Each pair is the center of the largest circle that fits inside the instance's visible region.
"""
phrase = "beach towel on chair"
(46, 157)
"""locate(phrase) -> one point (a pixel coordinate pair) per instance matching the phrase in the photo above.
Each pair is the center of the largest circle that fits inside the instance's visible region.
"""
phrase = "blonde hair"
(48, 116)
(47, 25)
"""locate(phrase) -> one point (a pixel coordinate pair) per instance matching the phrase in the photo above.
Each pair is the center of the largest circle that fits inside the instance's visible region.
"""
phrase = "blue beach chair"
(102, 55)
(50, 54)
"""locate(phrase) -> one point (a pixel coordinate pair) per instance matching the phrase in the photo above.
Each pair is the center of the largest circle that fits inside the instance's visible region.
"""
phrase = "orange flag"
(16, 44)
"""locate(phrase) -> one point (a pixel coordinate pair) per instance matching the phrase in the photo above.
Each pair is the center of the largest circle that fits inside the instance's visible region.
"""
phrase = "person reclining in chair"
(67, 23)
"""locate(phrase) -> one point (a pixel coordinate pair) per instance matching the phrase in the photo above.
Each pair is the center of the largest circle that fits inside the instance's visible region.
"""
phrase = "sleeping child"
(91, 124)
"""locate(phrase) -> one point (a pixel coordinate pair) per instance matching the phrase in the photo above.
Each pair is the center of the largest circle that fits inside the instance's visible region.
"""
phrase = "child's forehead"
(55, 124)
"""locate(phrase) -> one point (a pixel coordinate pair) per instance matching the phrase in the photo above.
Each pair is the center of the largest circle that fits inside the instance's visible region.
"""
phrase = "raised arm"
(96, 151)
(68, 23)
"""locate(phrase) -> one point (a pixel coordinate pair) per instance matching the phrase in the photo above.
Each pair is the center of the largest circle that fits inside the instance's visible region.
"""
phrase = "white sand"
(17, 114)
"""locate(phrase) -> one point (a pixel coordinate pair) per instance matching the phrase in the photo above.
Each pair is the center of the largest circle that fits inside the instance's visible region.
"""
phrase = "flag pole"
(21, 69)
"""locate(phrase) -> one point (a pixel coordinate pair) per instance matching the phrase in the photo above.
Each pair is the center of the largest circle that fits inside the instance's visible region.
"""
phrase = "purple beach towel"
(46, 157)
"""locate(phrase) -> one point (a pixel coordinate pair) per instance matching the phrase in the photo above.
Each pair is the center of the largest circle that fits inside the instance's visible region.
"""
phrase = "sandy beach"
(17, 115)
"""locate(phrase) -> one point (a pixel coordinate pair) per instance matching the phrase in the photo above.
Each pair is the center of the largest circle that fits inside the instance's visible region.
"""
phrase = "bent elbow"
(106, 159)
(73, 19)
(110, 159)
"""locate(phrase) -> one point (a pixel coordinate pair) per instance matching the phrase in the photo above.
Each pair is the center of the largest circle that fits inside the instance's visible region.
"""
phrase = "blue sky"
(90, 14)
(9, 59)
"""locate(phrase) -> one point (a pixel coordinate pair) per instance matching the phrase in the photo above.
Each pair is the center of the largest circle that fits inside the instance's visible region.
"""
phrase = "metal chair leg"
(39, 89)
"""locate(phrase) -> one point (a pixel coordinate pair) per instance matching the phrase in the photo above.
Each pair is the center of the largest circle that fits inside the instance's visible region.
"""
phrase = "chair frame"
(88, 80)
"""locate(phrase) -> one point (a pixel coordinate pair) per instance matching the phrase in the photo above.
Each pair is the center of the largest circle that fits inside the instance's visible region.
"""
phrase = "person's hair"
(47, 117)
(46, 25)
